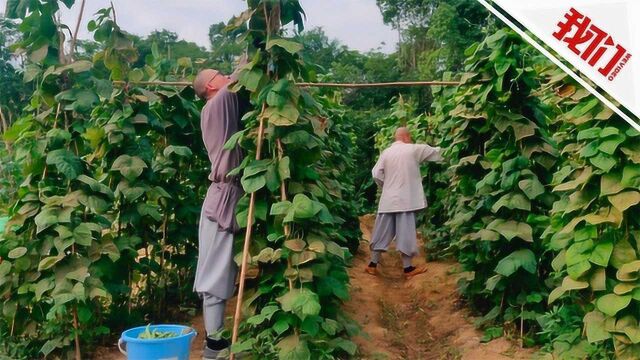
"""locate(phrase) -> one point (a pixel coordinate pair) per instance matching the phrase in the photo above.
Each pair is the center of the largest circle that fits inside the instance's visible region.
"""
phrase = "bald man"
(216, 270)
(397, 171)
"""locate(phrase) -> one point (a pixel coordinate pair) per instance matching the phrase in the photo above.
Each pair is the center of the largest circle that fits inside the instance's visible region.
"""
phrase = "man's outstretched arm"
(428, 153)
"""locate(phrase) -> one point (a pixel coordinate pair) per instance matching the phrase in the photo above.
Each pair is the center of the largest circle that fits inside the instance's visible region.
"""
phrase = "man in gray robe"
(398, 172)
(216, 270)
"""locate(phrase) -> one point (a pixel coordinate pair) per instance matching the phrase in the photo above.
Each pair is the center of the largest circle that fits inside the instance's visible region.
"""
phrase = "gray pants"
(215, 272)
(402, 226)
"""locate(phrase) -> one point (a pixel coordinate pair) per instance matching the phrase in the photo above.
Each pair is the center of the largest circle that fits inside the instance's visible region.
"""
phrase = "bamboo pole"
(310, 84)
(72, 51)
(247, 242)
(4, 126)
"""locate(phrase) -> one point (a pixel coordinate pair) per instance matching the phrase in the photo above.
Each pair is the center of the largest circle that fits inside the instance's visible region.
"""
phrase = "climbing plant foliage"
(543, 188)
(593, 230)
(298, 246)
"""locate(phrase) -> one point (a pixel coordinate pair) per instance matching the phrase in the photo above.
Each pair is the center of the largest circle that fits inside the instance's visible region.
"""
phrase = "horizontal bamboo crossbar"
(311, 84)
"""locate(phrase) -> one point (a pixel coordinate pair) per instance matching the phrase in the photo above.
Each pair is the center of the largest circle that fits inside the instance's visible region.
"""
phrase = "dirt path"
(419, 319)
(415, 319)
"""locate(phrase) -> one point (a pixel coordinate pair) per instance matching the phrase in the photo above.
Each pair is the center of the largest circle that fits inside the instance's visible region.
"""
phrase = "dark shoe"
(416, 271)
(210, 354)
(215, 349)
(224, 354)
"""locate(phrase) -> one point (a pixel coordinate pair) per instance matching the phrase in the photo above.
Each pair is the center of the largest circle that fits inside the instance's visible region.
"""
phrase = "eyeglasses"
(213, 77)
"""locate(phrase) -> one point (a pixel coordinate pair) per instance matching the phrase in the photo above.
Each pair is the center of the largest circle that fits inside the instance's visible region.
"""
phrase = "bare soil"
(418, 319)
(421, 318)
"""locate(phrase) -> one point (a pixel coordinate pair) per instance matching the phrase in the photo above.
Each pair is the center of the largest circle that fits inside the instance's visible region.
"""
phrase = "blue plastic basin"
(174, 348)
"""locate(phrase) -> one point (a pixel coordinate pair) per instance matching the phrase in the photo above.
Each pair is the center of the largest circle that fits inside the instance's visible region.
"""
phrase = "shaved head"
(403, 134)
(202, 80)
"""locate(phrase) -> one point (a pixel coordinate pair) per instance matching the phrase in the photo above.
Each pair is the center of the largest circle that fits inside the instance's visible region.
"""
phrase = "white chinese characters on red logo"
(594, 45)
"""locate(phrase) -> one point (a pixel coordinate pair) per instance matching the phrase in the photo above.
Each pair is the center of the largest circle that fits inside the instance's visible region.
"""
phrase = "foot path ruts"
(420, 318)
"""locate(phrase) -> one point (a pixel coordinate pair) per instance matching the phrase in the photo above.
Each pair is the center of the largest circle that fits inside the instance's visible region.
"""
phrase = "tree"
(434, 33)
(169, 45)
(12, 89)
(225, 48)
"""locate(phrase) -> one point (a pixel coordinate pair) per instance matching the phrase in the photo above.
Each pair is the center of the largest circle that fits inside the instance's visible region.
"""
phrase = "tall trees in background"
(12, 90)
(433, 33)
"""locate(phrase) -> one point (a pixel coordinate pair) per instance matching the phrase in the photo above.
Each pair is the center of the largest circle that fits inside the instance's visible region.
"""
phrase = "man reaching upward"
(216, 270)
(398, 172)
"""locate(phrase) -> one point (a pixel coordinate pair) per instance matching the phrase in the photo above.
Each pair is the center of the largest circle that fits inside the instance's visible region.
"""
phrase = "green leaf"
(569, 284)
(304, 208)
(280, 326)
(511, 228)
(579, 200)
(591, 133)
(85, 101)
(130, 167)
(145, 209)
(136, 75)
(253, 183)
(233, 140)
(330, 326)
(602, 253)
(291, 47)
(611, 304)
(624, 200)
(41, 287)
(531, 187)
(49, 262)
(296, 245)
(512, 201)
(79, 274)
(182, 151)
(584, 176)
(280, 208)
(243, 346)
(251, 78)
(37, 55)
(629, 271)
(17, 252)
(631, 176)
(603, 161)
(310, 326)
(590, 150)
(283, 168)
(523, 258)
(49, 346)
(291, 348)
(302, 302)
(594, 325)
(66, 162)
(501, 65)
(623, 253)
(347, 345)
(610, 184)
(608, 131)
(82, 235)
(286, 116)
(555, 294)
(610, 145)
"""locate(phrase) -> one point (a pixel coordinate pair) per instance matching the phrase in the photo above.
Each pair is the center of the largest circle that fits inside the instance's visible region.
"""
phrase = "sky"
(355, 23)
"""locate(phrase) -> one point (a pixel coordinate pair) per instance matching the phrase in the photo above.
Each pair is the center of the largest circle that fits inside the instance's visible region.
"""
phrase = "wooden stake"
(283, 197)
(72, 51)
(247, 242)
(4, 126)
